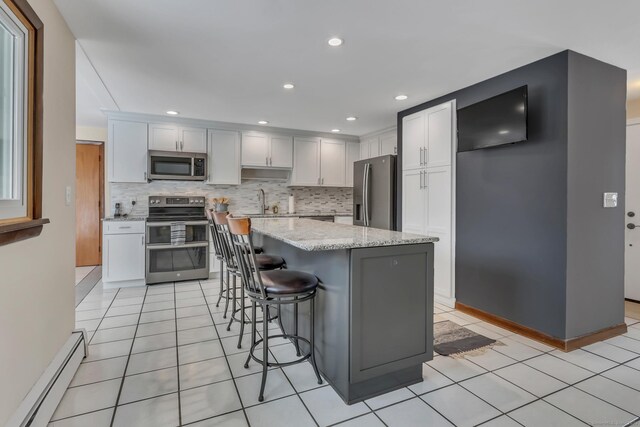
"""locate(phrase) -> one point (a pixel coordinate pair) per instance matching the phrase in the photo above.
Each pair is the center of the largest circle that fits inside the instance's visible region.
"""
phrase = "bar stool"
(263, 262)
(275, 287)
(217, 246)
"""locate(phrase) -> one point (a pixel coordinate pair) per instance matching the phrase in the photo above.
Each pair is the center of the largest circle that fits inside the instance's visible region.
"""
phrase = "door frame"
(102, 172)
(630, 122)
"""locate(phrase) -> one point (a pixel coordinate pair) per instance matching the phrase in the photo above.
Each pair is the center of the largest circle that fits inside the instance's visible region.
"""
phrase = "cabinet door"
(306, 164)
(389, 143)
(374, 147)
(439, 224)
(127, 150)
(413, 201)
(439, 135)
(332, 163)
(281, 152)
(193, 140)
(352, 155)
(413, 141)
(255, 149)
(364, 149)
(123, 257)
(163, 136)
(224, 157)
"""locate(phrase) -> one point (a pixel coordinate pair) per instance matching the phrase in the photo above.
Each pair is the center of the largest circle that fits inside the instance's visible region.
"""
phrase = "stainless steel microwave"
(177, 166)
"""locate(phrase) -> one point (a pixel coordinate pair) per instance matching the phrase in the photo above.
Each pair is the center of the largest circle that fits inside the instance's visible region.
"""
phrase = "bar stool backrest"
(240, 231)
(220, 220)
(215, 238)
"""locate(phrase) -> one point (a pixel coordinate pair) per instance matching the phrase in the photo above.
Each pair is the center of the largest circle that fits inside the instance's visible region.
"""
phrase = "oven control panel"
(176, 201)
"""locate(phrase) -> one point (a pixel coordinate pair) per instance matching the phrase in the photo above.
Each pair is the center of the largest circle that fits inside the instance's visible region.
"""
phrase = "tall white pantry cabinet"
(428, 189)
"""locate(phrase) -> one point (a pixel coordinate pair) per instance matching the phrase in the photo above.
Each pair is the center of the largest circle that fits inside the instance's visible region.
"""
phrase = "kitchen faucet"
(263, 202)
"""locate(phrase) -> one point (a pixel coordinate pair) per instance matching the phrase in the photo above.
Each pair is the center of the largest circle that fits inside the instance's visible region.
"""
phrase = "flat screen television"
(499, 120)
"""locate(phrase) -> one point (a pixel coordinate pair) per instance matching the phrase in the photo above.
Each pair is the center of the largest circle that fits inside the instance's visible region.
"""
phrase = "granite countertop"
(125, 218)
(312, 235)
(297, 215)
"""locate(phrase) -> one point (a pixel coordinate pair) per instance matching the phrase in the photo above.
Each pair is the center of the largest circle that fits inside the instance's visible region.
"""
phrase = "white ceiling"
(226, 60)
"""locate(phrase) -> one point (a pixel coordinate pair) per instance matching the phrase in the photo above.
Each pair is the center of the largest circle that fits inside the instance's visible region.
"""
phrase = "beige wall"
(85, 133)
(633, 109)
(37, 275)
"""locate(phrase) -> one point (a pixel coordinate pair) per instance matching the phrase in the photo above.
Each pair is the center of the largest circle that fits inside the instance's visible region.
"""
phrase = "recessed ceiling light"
(263, 122)
(335, 41)
(401, 97)
(173, 112)
(351, 118)
(335, 130)
(288, 86)
(503, 132)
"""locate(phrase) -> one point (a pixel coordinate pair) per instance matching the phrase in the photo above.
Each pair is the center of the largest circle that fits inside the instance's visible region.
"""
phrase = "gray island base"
(374, 308)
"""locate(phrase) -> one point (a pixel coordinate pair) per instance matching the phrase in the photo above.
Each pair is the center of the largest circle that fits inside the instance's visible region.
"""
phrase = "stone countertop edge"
(294, 215)
(316, 236)
(126, 218)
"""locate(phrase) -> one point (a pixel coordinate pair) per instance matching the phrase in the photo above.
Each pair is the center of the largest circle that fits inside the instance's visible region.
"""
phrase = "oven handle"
(185, 246)
(168, 223)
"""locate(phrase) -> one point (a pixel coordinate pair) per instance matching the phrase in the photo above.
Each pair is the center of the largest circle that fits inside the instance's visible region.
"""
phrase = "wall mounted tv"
(499, 120)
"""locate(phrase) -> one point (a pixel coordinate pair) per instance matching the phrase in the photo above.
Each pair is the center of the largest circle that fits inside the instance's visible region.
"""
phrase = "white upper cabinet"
(280, 151)
(306, 162)
(127, 151)
(255, 149)
(439, 143)
(352, 155)
(369, 147)
(267, 151)
(389, 143)
(413, 141)
(163, 136)
(192, 140)
(427, 138)
(332, 163)
(170, 137)
(224, 157)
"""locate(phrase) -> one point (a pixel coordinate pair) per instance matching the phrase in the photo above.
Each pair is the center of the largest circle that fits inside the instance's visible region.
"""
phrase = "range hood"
(265, 174)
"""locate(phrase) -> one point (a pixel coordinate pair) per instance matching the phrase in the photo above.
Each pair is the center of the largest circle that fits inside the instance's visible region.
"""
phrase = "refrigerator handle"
(365, 195)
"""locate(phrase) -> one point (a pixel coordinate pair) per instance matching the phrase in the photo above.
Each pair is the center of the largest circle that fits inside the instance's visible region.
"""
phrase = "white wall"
(37, 275)
(633, 109)
(86, 133)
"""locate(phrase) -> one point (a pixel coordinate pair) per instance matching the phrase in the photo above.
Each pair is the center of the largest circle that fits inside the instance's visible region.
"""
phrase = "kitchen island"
(374, 308)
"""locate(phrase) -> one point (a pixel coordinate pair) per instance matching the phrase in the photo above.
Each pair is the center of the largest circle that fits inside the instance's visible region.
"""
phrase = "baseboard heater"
(42, 400)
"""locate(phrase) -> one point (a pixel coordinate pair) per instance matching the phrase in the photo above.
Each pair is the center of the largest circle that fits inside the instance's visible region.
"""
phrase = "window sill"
(11, 233)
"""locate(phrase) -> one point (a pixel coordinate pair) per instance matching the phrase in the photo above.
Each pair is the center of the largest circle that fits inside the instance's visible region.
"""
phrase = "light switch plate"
(67, 195)
(610, 200)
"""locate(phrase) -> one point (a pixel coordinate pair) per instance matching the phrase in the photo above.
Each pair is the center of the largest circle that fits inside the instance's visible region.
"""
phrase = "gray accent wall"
(596, 164)
(518, 249)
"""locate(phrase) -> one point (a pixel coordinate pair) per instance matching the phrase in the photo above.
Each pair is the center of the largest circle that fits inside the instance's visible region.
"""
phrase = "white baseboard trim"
(42, 400)
(449, 302)
(123, 284)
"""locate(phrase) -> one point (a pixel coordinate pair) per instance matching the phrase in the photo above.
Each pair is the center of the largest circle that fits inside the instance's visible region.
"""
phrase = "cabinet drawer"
(123, 227)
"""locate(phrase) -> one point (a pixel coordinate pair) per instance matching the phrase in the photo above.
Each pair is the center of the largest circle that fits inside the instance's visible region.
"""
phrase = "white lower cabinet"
(123, 254)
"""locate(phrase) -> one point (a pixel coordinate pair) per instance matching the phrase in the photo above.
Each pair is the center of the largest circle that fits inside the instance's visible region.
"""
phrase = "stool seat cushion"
(258, 249)
(288, 282)
(269, 262)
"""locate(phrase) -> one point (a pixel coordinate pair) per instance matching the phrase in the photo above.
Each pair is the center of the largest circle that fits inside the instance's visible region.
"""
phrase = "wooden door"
(89, 184)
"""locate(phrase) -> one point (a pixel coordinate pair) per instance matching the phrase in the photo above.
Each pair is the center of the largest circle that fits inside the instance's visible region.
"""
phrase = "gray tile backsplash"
(242, 198)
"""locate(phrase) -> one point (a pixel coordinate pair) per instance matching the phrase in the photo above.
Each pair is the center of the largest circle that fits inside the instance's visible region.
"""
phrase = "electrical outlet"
(610, 200)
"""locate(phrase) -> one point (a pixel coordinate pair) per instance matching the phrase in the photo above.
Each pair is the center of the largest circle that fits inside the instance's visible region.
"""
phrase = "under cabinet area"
(170, 137)
(123, 253)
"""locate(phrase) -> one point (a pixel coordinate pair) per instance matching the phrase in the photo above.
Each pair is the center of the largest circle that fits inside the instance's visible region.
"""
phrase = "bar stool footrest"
(281, 364)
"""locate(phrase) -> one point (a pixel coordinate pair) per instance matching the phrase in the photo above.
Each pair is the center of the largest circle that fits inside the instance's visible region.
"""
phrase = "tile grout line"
(175, 320)
(124, 375)
(225, 356)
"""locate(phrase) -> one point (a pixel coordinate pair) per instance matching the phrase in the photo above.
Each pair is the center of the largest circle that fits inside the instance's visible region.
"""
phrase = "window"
(13, 115)
(21, 72)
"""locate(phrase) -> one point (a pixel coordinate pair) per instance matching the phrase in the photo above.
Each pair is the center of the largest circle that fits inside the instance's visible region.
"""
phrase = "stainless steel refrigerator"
(374, 192)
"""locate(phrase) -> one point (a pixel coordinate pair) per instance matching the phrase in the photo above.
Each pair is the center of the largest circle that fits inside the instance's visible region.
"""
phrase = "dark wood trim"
(31, 226)
(12, 233)
(559, 343)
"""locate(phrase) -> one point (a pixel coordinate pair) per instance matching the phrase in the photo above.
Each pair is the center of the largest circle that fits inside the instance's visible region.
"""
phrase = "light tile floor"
(81, 272)
(161, 356)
